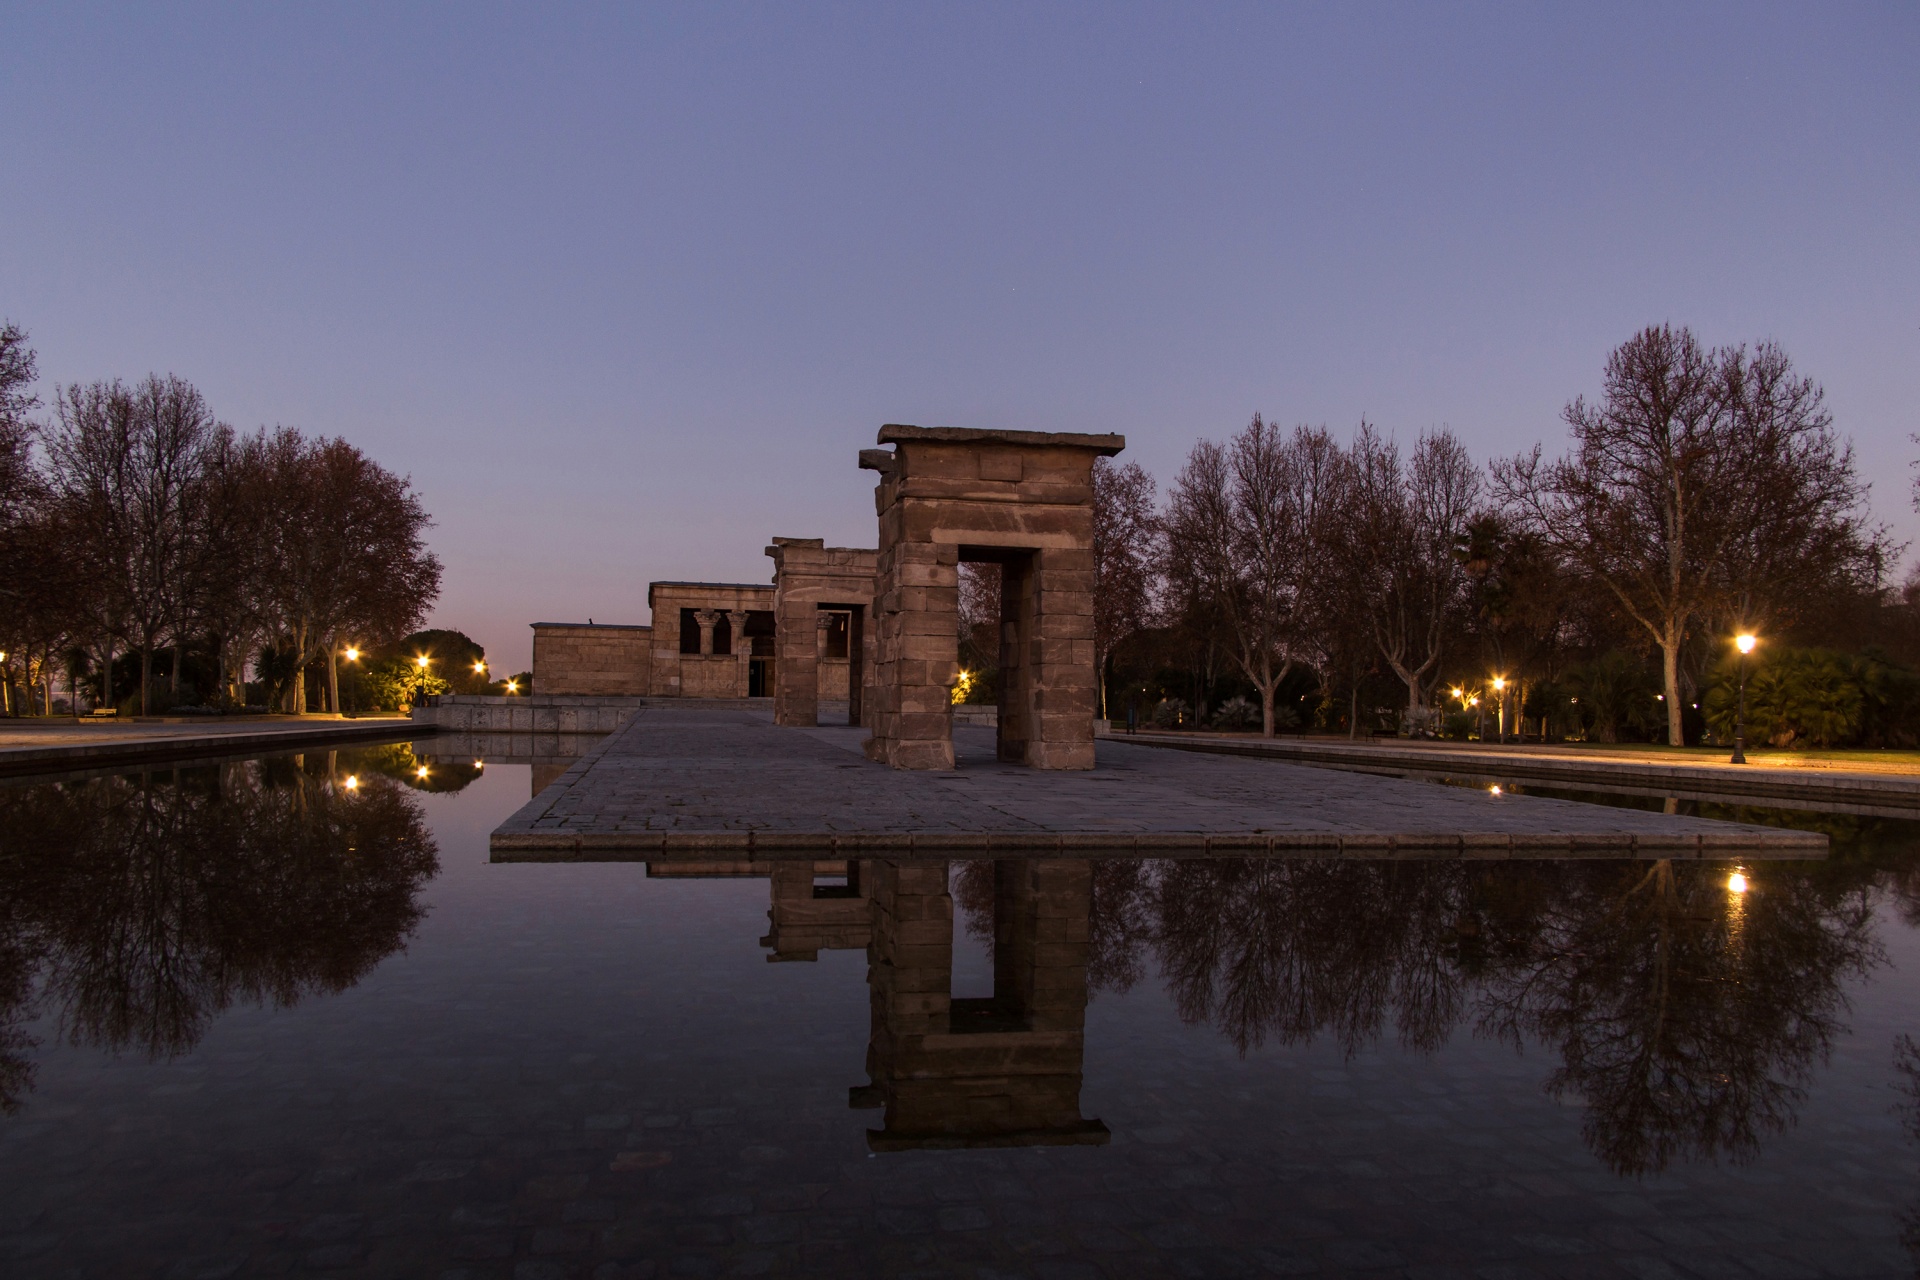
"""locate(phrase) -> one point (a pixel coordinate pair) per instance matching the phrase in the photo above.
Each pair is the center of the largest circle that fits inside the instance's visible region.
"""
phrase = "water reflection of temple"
(947, 1070)
(996, 1071)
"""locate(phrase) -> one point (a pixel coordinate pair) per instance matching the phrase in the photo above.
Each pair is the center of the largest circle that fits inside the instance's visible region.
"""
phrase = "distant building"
(706, 640)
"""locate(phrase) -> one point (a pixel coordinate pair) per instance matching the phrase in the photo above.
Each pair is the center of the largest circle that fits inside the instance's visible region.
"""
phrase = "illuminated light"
(422, 660)
(513, 686)
(1736, 883)
(353, 783)
(479, 764)
(1745, 642)
(1661, 696)
(1499, 683)
(1460, 693)
(421, 771)
(479, 668)
(353, 655)
(1496, 789)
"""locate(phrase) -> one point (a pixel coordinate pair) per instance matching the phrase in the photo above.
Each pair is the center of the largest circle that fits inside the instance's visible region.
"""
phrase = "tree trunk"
(300, 669)
(146, 678)
(1353, 711)
(106, 675)
(1670, 673)
(179, 667)
(333, 683)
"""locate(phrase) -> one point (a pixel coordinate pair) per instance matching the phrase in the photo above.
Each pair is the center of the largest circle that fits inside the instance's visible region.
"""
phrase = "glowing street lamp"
(1743, 645)
(513, 686)
(353, 783)
(352, 654)
(1500, 687)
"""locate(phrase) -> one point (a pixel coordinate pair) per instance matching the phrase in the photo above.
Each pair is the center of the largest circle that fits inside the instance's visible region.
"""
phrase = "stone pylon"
(1024, 500)
(811, 579)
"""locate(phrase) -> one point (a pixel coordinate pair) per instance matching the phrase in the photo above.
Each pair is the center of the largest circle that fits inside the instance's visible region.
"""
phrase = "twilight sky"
(625, 288)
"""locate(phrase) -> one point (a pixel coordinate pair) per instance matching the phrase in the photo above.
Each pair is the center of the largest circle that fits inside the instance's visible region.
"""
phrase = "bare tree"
(346, 550)
(1126, 535)
(1244, 526)
(1401, 537)
(124, 464)
(1701, 482)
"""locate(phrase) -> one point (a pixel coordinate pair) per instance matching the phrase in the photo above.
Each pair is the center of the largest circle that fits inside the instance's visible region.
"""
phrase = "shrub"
(1792, 695)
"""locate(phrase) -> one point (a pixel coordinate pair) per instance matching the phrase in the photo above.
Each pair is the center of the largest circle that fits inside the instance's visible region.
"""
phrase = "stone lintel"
(900, 433)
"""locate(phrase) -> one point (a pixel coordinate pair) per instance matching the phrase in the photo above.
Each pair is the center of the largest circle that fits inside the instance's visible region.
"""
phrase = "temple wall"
(590, 660)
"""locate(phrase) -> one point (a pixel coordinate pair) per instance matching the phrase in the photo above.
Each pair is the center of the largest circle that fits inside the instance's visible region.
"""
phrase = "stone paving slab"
(711, 781)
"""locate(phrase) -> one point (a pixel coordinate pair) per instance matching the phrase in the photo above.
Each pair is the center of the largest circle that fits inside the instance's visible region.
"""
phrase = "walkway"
(697, 780)
(57, 744)
(1856, 787)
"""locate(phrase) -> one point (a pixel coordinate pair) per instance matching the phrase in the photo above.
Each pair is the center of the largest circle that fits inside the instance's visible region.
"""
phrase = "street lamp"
(352, 654)
(1743, 645)
(1500, 687)
(420, 677)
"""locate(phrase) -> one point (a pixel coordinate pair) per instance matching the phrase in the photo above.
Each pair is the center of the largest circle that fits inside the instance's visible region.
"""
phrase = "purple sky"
(625, 289)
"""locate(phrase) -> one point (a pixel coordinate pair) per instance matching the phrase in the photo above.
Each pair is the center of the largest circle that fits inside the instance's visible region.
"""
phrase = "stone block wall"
(1022, 499)
(811, 581)
(589, 659)
(706, 674)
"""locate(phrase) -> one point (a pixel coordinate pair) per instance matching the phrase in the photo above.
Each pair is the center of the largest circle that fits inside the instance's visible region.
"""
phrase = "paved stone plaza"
(696, 780)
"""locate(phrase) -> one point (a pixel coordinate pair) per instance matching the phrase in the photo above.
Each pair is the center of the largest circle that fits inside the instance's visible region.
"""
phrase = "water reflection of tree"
(139, 908)
(397, 760)
(1686, 1017)
(1906, 1061)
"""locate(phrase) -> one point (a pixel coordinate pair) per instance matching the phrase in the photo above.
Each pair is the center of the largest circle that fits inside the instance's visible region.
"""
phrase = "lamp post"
(419, 679)
(1743, 645)
(1500, 687)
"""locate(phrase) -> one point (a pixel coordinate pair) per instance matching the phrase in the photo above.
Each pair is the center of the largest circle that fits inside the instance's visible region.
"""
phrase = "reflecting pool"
(284, 1016)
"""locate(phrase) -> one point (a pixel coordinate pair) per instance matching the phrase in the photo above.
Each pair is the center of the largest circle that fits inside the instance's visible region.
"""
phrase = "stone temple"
(871, 636)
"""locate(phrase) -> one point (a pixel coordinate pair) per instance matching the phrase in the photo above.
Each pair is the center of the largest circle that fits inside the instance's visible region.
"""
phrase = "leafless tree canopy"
(131, 520)
(1704, 485)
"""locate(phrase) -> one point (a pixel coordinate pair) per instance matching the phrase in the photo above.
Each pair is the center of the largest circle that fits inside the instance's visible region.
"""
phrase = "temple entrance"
(1023, 500)
(821, 598)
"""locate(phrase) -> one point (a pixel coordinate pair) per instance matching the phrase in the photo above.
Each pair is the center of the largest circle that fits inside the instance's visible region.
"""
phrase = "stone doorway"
(822, 643)
(1024, 500)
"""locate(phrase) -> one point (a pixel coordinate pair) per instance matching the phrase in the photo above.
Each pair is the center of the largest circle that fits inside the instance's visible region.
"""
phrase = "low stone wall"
(547, 712)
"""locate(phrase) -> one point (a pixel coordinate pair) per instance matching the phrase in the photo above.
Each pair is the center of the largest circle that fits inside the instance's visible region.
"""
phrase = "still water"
(256, 1021)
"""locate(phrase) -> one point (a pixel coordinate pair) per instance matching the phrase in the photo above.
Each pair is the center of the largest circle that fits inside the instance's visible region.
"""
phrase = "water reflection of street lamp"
(1500, 687)
(1743, 645)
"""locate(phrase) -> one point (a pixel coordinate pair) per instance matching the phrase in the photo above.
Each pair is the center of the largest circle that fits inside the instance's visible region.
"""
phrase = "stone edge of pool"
(560, 846)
